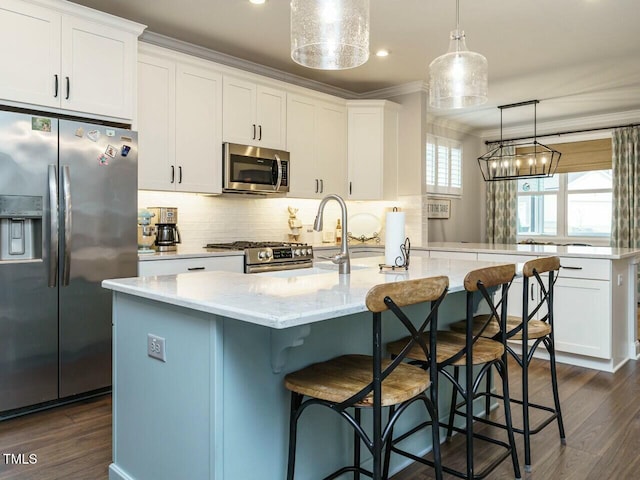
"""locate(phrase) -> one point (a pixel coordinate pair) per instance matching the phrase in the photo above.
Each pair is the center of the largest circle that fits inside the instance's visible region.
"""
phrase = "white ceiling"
(581, 58)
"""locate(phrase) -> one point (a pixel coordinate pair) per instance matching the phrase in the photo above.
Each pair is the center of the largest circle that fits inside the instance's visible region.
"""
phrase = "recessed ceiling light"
(257, 2)
(382, 53)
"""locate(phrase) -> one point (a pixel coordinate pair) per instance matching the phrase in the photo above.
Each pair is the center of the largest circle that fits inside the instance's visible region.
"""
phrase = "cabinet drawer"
(585, 268)
(187, 265)
(504, 258)
(453, 255)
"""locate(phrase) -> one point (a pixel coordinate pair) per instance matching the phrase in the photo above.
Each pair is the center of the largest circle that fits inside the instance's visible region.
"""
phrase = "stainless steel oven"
(270, 256)
(248, 169)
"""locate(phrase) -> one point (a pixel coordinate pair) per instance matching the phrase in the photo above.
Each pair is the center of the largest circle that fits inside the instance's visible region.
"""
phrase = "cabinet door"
(97, 75)
(239, 111)
(301, 128)
(198, 130)
(582, 318)
(331, 148)
(271, 117)
(156, 123)
(30, 39)
(365, 154)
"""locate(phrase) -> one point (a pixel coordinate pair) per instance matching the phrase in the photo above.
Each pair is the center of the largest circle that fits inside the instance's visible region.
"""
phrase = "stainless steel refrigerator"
(68, 208)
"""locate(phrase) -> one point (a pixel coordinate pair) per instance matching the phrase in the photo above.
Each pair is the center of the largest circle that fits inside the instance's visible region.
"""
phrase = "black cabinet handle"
(321, 186)
(180, 174)
(68, 88)
(254, 132)
(317, 186)
(191, 269)
(173, 174)
(350, 189)
(571, 268)
(259, 132)
(56, 86)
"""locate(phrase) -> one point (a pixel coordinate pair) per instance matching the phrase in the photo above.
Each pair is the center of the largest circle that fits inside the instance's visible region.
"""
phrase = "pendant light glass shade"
(330, 34)
(459, 78)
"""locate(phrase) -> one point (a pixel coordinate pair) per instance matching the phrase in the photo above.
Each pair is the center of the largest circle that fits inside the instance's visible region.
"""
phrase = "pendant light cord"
(458, 15)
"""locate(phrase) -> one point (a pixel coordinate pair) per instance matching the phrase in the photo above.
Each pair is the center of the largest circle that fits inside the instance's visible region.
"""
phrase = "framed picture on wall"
(438, 208)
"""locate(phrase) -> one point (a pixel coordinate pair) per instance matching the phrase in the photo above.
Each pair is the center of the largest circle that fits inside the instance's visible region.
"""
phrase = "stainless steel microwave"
(248, 169)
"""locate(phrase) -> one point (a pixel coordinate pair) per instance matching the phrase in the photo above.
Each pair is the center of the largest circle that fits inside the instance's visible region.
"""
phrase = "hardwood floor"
(601, 416)
(71, 442)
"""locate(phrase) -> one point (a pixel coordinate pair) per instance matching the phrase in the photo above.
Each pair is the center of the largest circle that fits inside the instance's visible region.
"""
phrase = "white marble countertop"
(526, 249)
(198, 251)
(286, 299)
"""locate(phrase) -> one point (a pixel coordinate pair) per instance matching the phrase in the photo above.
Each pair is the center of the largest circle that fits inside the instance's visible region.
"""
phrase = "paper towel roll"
(393, 237)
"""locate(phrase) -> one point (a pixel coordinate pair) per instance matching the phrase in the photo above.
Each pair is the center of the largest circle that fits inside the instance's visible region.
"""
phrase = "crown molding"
(245, 65)
(608, 120)
(396, 90)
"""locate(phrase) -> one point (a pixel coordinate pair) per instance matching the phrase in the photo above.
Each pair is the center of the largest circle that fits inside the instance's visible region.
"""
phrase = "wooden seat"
(450, 343)
(536, 328)
(363, 381)
(340, 378)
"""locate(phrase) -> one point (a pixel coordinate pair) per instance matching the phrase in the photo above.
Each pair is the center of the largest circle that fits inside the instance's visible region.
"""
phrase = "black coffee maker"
(167, 233)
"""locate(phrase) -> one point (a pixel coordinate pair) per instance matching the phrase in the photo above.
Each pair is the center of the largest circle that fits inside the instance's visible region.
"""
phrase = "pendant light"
(511, 161)
(459, 78)
(330, 34)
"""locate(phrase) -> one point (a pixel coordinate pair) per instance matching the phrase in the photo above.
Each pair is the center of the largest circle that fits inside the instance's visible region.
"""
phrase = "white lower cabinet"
(583, 314)
(232, 263)
(582, 320)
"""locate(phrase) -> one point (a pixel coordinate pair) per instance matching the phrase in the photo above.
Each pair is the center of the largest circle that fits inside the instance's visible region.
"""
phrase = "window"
(444, 166)
(575, 204)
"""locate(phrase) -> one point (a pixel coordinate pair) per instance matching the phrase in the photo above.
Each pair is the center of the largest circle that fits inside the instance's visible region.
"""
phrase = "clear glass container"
(330, 34)
(459, 78)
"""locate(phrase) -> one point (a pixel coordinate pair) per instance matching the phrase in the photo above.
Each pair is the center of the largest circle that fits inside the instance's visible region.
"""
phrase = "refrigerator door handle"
(53, 225)
(66, 195)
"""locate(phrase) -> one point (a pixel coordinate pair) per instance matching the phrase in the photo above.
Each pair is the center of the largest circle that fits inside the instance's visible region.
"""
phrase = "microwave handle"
(279, 181)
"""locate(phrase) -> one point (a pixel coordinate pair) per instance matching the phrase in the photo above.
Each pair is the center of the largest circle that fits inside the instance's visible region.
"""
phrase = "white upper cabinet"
(253, 114)
(179, 123)
(373, 150)
(317, 141)
(82, 61)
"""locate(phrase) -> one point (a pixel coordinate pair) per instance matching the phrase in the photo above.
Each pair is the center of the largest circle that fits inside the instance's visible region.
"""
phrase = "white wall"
(467, 220)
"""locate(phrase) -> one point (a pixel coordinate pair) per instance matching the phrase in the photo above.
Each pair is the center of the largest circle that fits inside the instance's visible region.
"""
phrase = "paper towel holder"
(402, 261)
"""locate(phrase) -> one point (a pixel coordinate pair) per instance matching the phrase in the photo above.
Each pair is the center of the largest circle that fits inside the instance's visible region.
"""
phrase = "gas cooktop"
(241, 245)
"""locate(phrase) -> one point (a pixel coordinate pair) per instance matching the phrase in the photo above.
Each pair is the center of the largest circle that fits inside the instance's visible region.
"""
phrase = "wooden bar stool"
(540, 331)
(467, 350)
(362, 381)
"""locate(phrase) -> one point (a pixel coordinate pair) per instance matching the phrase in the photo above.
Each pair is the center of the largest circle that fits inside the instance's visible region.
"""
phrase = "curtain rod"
(569, 132)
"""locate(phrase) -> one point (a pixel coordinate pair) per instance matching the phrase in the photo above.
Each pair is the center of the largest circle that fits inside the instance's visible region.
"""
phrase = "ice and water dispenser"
(21, 219)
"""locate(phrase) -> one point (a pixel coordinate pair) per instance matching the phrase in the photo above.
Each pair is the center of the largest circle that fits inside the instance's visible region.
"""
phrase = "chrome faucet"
(342, 258)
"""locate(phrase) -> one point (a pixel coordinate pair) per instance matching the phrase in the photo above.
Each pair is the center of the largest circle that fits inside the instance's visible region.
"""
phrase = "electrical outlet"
(156, 347)
(619, 279)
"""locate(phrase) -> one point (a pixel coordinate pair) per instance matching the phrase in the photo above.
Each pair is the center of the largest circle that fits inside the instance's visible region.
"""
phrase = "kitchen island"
(217, 407)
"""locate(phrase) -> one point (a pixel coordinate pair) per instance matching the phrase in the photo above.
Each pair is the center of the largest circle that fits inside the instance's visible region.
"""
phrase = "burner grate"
(243, 244)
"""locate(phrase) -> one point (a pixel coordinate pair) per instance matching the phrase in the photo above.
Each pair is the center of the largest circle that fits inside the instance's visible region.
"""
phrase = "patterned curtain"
(502, 204)
(625, 228)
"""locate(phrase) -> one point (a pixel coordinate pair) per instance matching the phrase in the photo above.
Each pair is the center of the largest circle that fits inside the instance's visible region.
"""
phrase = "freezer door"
(28, 305)
(98, 240)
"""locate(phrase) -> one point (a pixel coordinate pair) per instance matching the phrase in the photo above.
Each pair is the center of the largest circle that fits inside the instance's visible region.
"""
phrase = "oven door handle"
(279, 180)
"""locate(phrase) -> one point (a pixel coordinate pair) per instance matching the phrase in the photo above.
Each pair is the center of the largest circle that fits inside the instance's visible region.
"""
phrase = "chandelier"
(330, 34)
(510, 160)
(459, 78)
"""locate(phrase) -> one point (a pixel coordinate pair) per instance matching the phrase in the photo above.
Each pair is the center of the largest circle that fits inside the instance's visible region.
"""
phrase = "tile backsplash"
(203, 219)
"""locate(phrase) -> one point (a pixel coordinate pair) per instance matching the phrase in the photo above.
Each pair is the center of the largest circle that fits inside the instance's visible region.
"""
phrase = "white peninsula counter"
(217, 409)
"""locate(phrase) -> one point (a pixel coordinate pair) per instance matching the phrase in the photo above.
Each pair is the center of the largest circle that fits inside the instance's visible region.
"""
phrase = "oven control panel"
(278, 254)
